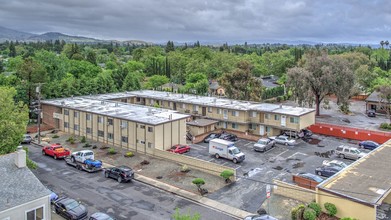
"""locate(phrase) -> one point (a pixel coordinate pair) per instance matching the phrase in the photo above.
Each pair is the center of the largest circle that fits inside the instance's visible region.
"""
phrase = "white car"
(282, 139)
(334, 163)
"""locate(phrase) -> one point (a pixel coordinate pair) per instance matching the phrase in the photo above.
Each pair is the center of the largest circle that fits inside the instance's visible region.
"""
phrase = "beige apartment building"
(135, 127)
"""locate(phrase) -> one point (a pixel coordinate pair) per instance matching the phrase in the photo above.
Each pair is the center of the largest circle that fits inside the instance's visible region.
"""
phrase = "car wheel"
(235, 161)
(55, 157)
(342, 156)
(73, 159)
(43, 153)
(56, 211)
(319, 173)
(106, 174)
(119, 179)
(217, 156)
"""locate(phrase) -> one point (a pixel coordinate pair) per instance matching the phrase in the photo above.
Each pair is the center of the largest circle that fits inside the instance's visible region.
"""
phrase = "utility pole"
(38, 93)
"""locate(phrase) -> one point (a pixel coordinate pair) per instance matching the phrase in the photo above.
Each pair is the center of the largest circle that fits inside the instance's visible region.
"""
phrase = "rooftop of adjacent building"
(368, 180)
(18, 185)
(100, 104)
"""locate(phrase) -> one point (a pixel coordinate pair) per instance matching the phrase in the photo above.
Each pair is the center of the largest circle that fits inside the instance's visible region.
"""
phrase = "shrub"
(55, 136)
(129, 154)
(86, 145)
(94, 147)
(331, 209)
(198, 182)
(226, 174)
(185, 168)
(385, 126)
(112, 151)
(83, 139)
(188, 216)
(297, 212)
(293, 213)
(71, 139)
(316, 207)
(309, 214)
(30, 164)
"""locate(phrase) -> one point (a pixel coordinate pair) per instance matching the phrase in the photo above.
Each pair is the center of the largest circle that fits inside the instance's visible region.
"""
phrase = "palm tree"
(382, 43)
(386, 43)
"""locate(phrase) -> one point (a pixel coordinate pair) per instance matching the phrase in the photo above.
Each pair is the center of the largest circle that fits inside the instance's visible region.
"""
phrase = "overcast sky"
(355, 21)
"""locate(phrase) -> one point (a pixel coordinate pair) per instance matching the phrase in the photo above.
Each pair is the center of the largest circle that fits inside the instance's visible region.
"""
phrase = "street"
(133, 200)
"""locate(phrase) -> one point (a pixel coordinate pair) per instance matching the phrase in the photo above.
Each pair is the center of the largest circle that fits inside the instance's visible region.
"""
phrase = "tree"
(385, 98)
(13, 120)
(199, 182)
(156, 80)
(226, 174)
(12, 50)
(240, 84)
(170, 46)
(131, 82)
(178, 216)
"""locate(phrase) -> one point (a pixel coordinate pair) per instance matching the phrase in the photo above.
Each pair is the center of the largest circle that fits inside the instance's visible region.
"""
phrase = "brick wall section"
(350, 133)
(205, 166)
(47, 114)
(250, 137)
(293, 191)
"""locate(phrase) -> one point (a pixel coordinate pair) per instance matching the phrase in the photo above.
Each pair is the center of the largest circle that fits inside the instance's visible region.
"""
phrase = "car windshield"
(173, 147)
(355, 151)
(235, 150)
(262, 142)
(212, 135)
(72, 205)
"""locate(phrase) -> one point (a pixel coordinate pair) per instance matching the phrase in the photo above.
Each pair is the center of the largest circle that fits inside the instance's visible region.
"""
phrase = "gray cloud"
(360, 21)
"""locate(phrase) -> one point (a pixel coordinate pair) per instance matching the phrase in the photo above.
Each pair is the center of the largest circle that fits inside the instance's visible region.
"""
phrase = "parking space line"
(224, 163)
(238, 167)
(210, 159)
(297, 153)
(248, 144)
(281, 153)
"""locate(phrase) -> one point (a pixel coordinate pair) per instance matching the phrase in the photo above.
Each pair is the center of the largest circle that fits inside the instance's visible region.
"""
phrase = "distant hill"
(9, 34)
(52, 36)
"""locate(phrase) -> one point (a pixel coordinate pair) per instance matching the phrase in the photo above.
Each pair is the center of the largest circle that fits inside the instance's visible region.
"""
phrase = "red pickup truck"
(56, 151)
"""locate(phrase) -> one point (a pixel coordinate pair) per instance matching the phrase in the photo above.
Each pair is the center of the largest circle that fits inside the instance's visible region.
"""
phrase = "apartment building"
(135, 127)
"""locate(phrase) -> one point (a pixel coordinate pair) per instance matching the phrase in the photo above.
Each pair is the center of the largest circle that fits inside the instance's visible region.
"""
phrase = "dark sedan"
(371, 145)
(327, 171)
(70, 209)
(228, 137)
(211, 136)
(310, 176)
(100, 216)
(121, 173)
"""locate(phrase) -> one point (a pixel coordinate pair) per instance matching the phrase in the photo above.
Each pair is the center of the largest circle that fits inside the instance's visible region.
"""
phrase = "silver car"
(344, 151)
(282, 139)
(263, 144)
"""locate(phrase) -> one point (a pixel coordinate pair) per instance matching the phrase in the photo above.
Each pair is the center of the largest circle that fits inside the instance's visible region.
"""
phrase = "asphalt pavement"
(133, 200)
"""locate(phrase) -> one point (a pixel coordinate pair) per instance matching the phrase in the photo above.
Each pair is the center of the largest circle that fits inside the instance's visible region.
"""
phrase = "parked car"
(179, 148)
(264, 144)
(56, 151)
(371, 113)
(211, 136)
(53, 197)
(70, 209)
(121, 173)
(228, 137)
(282, 139)
(83, 155)
(259, 217)
(291, 134)
(311, 177)
(327, 171)
(305, 133)
(371, 145)
(344, 151)
(26, 139)
(334, 163)
(100, 216)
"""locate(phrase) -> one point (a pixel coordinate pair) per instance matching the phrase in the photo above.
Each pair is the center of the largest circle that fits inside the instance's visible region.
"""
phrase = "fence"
(195, 163)
(350, 133)
(293, 191)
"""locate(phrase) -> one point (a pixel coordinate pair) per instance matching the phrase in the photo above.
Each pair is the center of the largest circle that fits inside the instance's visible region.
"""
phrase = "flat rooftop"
(201, 122)
(367, 180)
(99, 105)
(222, 102)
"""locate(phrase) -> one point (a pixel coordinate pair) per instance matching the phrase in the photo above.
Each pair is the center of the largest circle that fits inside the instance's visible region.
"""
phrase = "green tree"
(385, 97)
(13, 120)
(12, 50)
(155, 81)
(241, 85)
(170, 46)
(131, 82)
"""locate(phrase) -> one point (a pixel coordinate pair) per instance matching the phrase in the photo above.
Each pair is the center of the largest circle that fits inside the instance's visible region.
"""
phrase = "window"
(66, 112)
(150, 129)
(235, 126)
(100, 119)
(294, 120)
(138, 99)
(124, 100)
(151, 101)
(183, 105)
(253, 114)
(219, 111)
(35, 214)
(101, 133)
(142, 126)
(267, 116)
(268, 129)
(149, 145)
(276, 117)
(124, 139)
(76, 114)
(252, 126)
(110, 136)
(195, 107)
(210, 110)
(88, 130)
(110, 121)
(124, 124)
(76, 127)
(235, 113)
(66, 125)
(88, 117)
(168, 104)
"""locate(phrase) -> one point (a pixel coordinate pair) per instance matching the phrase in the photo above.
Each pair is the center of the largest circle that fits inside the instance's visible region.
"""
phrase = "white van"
(225, 149)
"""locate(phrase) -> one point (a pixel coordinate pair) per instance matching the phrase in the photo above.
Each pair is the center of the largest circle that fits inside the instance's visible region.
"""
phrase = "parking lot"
(258, 169)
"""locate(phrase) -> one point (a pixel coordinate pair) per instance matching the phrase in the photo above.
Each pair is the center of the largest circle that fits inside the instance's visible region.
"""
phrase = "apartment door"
(261, 130)
(203, 111)
(225, 113)
(283, 120)
(174, 106)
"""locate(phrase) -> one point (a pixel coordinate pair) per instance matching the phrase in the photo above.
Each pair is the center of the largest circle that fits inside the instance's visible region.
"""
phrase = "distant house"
(171, 87)
(375, 102)
(22, 195)
(216, 89)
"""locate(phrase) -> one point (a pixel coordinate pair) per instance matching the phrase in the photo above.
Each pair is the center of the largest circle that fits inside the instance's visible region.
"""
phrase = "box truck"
(226, 149)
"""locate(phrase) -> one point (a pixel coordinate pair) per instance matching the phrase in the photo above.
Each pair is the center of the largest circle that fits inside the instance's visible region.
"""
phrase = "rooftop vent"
(20, 157)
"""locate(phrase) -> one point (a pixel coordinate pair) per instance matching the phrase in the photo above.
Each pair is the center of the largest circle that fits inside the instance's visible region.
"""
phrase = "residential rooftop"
(368, 180)
(100, 104)
(18, 185)
(202, 122)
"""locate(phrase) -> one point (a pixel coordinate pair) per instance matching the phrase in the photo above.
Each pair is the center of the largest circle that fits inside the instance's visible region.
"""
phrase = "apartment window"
(183, 105)
(276, 117)
(253, 114)
(210, 109)
(168, 104)
(110, 121)
(124, 139)
(110, 136)
(235, 113)
(195, 107)
(219, 111)
(142, 126)
(235, 126)
(268, 129)
(151, 101)
(35, 214)
(88, 117)
(76, 127)
(66, 112)
(101, 133)
(150, 129)
(76, 114)
(252, 126)
(124, 124)
(88, 130)
(267, 116)
(100, 119)
(124, 100)
(66, 125)
(149, 145)
(294, 120)
(138, 99)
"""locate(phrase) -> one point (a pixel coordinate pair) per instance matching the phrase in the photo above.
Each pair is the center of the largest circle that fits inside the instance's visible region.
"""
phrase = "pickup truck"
(56, 151)
(84, 160)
